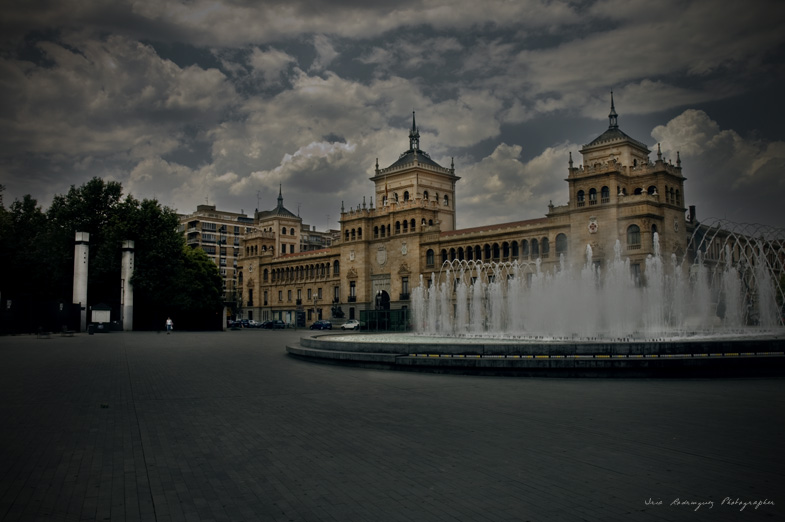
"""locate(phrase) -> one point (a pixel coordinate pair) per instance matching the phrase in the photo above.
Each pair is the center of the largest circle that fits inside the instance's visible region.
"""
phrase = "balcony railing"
(352, 298)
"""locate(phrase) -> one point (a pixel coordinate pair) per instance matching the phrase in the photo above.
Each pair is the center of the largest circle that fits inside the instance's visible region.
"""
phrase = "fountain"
(734, 295)
(723, 310)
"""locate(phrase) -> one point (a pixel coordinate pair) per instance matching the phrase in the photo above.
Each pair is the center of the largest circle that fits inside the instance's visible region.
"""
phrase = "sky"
(225, 101)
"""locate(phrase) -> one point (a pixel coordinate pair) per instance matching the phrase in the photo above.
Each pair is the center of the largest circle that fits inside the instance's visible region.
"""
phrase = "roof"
(614, 134)
(279, 211)
(500, 226)
(414, 153)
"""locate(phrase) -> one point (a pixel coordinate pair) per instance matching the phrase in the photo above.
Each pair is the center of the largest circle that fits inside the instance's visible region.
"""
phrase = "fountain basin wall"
(764, 355)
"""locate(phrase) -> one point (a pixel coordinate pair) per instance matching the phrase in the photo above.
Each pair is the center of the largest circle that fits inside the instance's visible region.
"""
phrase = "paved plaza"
(225, 426)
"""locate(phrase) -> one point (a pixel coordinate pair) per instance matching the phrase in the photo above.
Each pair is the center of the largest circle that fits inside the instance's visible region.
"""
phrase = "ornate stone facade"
(618, 194)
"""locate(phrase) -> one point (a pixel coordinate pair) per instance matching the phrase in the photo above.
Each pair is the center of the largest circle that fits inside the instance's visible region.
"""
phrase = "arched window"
(477, 253)
(638, 191)
(436, 198)
(546, 247)
(496, 250)
(678, 198)
(446, 201)
(240, 279)
(652, 190)
(405, 226)
(354, 234)
(561, 244)
(397, 227)
(291, 231)
(406, 196)
(264, 248)
(395, 197)
(265, 275)
(283, 231)
(429, 257)
(605, 194)
(347, 235)
(525, 248)
(384, 201)
(452, 254)
(425, 195)
(514, 249)
(375, 232)
(581, 198)
(535, 248)
(460, 253)
(469, 253)
(633, 237)
(444, 255)
(487, 252)
(412, 223)
(592, 196)
(336, 267)
(430, 222)
(505, 250)
(360, 233)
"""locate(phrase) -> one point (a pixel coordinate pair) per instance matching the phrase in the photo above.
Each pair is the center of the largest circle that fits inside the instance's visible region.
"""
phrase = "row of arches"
(582, 197)
(401, 227)
(302, 272)
(532, 248)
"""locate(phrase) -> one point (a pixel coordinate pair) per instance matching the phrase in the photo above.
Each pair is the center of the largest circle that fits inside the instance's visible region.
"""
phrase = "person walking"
(169, 325)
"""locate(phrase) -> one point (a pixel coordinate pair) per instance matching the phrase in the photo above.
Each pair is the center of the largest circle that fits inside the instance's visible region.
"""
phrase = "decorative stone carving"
(381, 255)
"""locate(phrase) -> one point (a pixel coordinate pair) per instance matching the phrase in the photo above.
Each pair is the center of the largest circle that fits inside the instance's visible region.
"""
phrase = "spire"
(678, 159)
(659, 153)
(570, 159)
(280, 196)
(613, 117)
(414, 136)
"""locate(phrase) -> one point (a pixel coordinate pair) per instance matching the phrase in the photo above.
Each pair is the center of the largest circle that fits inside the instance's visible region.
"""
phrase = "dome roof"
(414, 154)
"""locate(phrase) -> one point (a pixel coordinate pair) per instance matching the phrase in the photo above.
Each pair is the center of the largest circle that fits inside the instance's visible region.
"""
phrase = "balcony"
(404, 296)
(352, 299)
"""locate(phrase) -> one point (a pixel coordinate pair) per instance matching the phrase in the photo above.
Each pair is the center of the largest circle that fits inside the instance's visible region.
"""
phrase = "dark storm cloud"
(225, 100)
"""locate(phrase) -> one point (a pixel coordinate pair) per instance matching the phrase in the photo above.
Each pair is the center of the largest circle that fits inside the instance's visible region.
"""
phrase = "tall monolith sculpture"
(81, 255)
(127, 298)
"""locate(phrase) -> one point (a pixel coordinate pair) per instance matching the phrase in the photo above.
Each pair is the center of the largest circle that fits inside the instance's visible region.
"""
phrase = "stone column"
(127, 296)
(81, 254)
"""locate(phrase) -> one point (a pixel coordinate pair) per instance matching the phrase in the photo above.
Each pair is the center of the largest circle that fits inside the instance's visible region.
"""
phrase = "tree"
(37, 254)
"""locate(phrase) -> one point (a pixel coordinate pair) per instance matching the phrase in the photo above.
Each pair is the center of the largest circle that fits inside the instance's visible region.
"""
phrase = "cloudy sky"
(223, 100)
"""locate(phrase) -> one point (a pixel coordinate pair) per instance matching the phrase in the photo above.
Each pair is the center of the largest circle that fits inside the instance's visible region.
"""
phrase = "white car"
(351, 324)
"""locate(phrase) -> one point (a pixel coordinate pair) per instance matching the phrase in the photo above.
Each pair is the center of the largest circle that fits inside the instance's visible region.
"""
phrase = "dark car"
(275, 324)
(264, 324)
(245, 323)
(322, 325)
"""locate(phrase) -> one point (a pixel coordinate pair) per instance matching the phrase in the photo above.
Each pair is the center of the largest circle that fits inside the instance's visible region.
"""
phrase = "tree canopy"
(170, 278)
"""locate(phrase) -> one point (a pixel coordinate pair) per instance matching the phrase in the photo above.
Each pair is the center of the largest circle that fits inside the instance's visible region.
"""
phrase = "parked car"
(245, 323)
(322, 324)
(351, 324)
(264, 324)
(277, 323)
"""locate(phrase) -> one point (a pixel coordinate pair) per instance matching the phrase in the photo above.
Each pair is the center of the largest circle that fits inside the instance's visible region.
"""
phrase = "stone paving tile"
(225, 426)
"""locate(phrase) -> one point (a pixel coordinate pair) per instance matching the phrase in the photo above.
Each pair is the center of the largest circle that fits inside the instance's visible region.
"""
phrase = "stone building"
(616, 195)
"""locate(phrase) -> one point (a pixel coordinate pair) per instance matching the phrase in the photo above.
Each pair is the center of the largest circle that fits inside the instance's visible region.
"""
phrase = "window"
(309, 294)
(319, 293)
(352, 289)
(592, 196)
(360, 233)
(405, 226)
(535, 248)
(514, 249)
(406, 196)
(496, 251)
(375, 232)
(412, 224)
(264, 275)
(291, 249)
(581, 198)
(652, 190)
(605, 194)
(384, 201)
(395, 196)
(633, 238)
(280, 295)
(283, 231)
(487, 252)
(336, 265)
(299, 294)
(336, 293)
(444, 255)
(397, 227)
(546, 247)
(288, 295)
(561, 244)
(425, 195)
(446, 201)
(354, 234)
(283, 249)
(291, 231)
(429, 257)
(505, 250)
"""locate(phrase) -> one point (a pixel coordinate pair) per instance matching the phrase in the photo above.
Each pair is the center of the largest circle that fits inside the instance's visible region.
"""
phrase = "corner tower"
(416, 180)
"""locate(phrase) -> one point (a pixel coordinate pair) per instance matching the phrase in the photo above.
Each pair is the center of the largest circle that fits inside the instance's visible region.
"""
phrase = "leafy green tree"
(37, 252)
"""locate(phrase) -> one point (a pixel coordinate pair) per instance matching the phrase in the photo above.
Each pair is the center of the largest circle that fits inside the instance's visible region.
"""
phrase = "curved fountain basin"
(763, 353)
